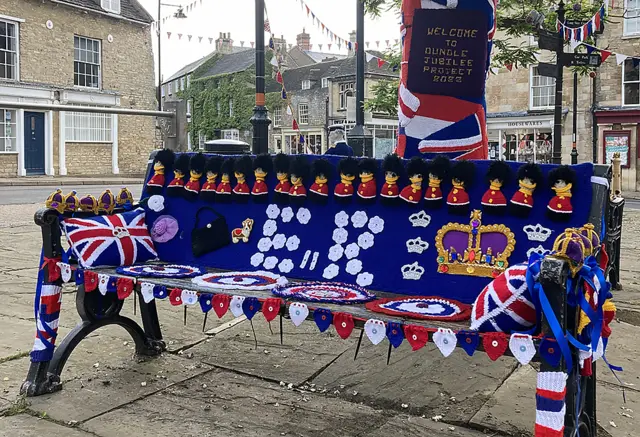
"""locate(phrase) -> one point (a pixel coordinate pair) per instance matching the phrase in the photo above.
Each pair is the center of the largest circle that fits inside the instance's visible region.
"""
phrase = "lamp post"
(260, 119)
(574, 147)
(557, 123)
(179, 14)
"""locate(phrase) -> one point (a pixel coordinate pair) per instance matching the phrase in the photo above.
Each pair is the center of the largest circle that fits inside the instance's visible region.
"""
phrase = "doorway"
(34, 143)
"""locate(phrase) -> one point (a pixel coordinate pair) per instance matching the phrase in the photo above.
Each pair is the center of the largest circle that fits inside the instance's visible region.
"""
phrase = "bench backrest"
(304, 251)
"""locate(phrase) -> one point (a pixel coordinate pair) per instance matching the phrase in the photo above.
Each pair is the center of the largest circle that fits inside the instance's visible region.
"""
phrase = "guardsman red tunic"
(367, 188)
(433, 191)
(561, 202)
(390, 188)
(260, 187)
(458, 196)
(193, 185)
(283, 185)
(524, 196)
(178, 180)
(157, 180)
(345, 187)
(241, 188)
(298, 190)
(412, 193)
(224, 187)
(210, 185)
(493, 196)
(320, 188)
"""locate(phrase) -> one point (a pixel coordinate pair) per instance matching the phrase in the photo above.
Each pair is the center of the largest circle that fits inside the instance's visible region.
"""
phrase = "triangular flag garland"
(586, 30)
(605, 53)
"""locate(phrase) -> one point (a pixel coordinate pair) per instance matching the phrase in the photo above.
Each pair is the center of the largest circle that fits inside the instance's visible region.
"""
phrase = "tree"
(512, 26)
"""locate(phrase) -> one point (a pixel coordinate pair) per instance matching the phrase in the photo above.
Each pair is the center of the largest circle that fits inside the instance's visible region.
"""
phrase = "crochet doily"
(240, 280)
(327, 292)
(422, 307)
(160, 271)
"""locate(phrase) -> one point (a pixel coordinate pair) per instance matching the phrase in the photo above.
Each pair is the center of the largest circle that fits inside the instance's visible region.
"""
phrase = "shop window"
(87, 127)
(8, 130)
(631, 82)
(543, 90)
(632, 18)
(9, 49)
(314, 142)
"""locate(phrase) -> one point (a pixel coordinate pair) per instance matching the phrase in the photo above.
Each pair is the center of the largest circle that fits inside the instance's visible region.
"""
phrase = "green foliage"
(512, 26)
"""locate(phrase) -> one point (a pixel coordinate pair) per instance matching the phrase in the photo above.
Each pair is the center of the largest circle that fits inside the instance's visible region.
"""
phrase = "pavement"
(218, 384)
(59, 181)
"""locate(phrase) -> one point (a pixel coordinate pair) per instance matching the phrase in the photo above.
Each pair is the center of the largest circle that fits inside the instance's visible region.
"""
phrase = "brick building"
(76, 52)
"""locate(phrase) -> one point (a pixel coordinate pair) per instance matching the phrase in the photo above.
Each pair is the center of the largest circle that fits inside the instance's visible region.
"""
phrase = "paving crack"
(14, 357)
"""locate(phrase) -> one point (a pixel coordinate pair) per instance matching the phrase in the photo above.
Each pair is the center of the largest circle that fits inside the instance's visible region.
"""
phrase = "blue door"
(34, 143)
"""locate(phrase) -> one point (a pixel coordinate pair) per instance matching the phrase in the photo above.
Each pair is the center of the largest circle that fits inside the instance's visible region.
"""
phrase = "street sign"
(573, 23)
(581, 60)
(547, 70)
(548, 40)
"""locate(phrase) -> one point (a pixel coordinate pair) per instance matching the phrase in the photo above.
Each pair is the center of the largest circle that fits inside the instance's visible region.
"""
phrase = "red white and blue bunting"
(586, 30)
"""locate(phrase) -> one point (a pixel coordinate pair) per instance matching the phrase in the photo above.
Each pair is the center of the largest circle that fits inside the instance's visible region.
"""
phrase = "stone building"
(520, 104)
(76, 52)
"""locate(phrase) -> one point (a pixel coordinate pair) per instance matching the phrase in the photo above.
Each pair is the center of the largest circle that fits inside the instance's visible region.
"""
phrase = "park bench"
(402, 247)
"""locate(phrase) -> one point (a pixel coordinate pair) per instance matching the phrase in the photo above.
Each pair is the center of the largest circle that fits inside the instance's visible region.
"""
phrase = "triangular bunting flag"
(550, 351)
(509, 67)
(205, 302)
(381, 62)
(250, 306)
(469, 341)
(604, 54)
(295, 125)
(522, 348)
(236, 305)
(369, 57)
(620, 58)
(323, 318)
(271, 308)
(417, 336)
(343, 322)
(279, 78)
(169, 35)
(395, 333)
(375, 330)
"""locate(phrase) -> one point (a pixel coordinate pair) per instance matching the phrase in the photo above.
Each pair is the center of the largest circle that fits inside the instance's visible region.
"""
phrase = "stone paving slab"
(23, 425)
(17, 336)
(412, 426)
(222, 404)
(454, 387)
(304, 353)
(623, 350)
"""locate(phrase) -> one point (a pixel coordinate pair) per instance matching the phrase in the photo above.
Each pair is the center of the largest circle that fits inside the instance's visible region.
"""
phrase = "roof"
(347, 68)
(315, 72)
(231, 63)
(130, 9)
(321, 57)
(190, 68)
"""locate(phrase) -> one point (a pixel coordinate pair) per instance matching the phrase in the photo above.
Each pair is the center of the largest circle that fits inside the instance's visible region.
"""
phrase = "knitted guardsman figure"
(209, 188)
(493, 201)
(281, 163)
(444, 116)
(321, 172)
(437, 170)
(368, 189)
(348, 168)
(462, 174)
(262, 166)
(392, 167)
(299, 172)
(196, 170)
(416, 169)
(562, 180)
(180, 171)
(241, 168)
(223, 193)
(163, 160)
(529, 177)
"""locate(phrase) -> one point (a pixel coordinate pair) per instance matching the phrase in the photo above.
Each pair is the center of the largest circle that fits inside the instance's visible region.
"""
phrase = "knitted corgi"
(321, 172)
(348, 168)
(196, 170)
(281, 163)
(461, 177)
(163, 159)
(212, 169)
(392, 167)
(493, 201)
(437, 170)
(262, 166)
(416, 169)
(562, 180)
(529, 177)
(223, 192)
(299, 172)
(368, 189)
(241, 168)
(180, 171)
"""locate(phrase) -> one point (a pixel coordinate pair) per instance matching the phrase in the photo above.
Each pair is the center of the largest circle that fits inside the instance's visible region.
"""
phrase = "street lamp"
(179, 14)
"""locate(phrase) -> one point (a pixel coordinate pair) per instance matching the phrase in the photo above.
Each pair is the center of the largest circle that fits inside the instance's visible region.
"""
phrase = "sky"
(286, 17)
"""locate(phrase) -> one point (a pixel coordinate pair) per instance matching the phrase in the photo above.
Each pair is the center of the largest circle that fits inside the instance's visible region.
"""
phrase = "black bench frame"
(97, 311)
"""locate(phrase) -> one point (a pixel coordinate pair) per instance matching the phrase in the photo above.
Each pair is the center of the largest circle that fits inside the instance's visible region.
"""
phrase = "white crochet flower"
(354, 266)
(303, 215)
(293, 243)
(352, 251)
(273, 211)
(331, 271)
(269, 228)
(359, 219)
(364, 279)
(279, 241)
(376, 225)
(285, 266)
(156, 203)
(335, 252)
(342, 219)
(264, 245)
(270, 262)
(366, 240)
(287, 214)
(257, 259)
(340, 235)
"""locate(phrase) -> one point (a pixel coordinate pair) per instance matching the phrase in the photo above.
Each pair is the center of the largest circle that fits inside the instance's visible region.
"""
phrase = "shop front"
(521, 136)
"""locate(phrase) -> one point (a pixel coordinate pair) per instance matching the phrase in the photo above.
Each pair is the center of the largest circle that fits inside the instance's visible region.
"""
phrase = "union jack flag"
(110, 240)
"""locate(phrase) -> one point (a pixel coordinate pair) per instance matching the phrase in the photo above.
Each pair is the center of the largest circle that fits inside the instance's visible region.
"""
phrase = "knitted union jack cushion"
(110, 240)
(505, 304)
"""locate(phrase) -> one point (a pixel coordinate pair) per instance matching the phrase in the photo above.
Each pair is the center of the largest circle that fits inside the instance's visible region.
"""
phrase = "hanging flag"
(210, 40)
(289, 111)
(271, 45)
(356, 47)
(369, 57)
(387, 41)
(509, 67)
(267, 26)
(308, 10)
(322, 26)
(604, 54)
(367, 43)
(378, 43)
(301, 139)
(274, 61)
(620, 58)
(189, 36)
(179, 36)
(284, 94)
(279, 78)
(381, 62)
(252, 43)
(329, 45)
(168, 35)
(295, 125)
(199, 39)
(349, 46)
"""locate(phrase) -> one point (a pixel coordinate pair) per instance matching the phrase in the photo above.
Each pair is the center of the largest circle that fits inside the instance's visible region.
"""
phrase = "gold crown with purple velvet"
(71, 202)
(106, 202)
(474, 249)
(56, 201)
(124, 196)
(89, 204)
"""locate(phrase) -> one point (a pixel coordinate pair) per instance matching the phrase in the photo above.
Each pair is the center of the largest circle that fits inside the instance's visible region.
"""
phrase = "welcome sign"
(448, 53)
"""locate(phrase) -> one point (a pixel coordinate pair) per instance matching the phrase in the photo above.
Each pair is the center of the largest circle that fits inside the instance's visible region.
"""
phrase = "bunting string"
(586, 30)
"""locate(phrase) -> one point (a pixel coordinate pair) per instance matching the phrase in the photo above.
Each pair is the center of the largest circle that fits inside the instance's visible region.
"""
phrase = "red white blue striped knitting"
(505, 304)
(550, 404)
(48, 316)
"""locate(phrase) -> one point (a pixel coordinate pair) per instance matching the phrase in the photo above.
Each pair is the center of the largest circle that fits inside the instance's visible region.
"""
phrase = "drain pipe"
(594, 106)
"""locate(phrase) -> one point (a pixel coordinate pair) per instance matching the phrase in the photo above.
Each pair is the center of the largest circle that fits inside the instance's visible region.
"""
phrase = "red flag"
(329, 46)
(596, 21)
(279, 77)
(356, 47)
(267, 26)
(271, 308)
(168, 35)
(381, 62)
(605, 54)
(124, 287)
(295, 124)
(323, 27)
(179, 36)
(509, 66)
(308, 11)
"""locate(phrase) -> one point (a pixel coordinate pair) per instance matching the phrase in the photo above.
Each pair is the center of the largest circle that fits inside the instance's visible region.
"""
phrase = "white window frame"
(303, 116)
(188, 81)
(80, 126)
(346, 90)
(182, 82)
(111, 6)
(531, 88)
(625, 83)
(80, 37)
(170, 86)
(277, 116)
(16, 24)
(13, 130)
(325, 82)
(163, 88)
(218, 107)
(230, 107)
(631, 15)
(230, 134)
(306, 84)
